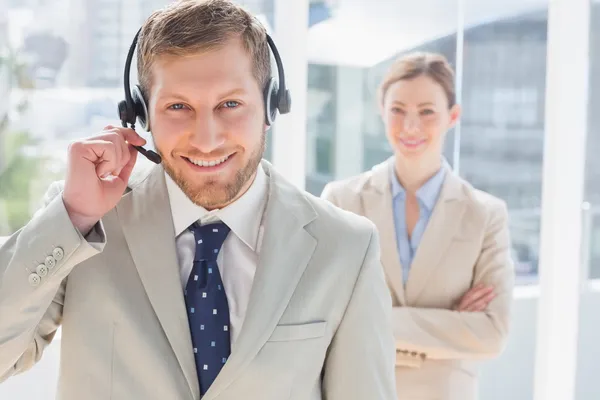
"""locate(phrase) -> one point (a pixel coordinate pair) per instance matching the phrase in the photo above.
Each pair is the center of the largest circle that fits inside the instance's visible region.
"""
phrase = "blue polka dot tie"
(207, 308)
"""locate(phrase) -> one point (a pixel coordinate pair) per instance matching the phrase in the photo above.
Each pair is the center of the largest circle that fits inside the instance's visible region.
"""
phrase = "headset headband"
(280, 73)
(276, 97)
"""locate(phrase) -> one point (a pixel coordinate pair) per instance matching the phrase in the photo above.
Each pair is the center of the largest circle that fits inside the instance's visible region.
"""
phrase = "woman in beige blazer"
(445, 245)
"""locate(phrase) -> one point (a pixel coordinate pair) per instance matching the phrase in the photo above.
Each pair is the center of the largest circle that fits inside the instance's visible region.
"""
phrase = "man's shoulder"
(331, 223)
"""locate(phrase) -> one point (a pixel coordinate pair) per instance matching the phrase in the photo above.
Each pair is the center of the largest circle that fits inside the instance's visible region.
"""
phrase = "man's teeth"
(212, 163)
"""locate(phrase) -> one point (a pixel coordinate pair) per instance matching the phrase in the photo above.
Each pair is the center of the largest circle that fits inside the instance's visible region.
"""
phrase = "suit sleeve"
(31, 312)
(446, 334)
(361, 360)
(329, 194)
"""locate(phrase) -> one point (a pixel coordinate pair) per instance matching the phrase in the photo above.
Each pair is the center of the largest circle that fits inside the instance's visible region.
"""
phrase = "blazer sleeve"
(329, 194)
(361, 359)
(31, 313)
(446, 334)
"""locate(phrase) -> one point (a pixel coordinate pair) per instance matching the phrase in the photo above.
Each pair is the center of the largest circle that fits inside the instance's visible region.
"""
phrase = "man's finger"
(128, 168)
(132, 137)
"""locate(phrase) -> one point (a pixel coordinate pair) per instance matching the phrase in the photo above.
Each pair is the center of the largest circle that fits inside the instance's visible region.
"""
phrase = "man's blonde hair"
(189, 26)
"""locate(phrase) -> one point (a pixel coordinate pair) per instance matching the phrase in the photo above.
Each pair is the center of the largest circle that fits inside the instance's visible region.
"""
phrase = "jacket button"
(58, 253)
(34, 279)
(50, 262)
(41, 270)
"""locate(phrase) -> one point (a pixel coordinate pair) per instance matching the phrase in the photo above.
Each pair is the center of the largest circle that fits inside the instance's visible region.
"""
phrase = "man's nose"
(207, 137)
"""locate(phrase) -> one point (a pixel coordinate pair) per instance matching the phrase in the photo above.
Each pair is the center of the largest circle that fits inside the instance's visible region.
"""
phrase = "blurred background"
(61, 74)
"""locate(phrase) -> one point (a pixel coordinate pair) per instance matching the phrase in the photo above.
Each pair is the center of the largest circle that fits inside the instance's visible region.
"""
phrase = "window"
(346, 64)
(502, 91)
(498, 50)
(591, 211)
(502, 129)
(62, 78)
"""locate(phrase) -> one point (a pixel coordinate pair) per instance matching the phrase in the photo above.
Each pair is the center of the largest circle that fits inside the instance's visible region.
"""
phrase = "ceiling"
(363, 33)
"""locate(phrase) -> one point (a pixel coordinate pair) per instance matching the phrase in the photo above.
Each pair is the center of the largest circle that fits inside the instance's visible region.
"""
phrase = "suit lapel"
(285, 252)
(378, 208)
(145, 215)
(443, 225)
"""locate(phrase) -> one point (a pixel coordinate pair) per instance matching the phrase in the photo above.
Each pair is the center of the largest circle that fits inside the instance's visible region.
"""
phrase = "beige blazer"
(318, 323)
(466, 242)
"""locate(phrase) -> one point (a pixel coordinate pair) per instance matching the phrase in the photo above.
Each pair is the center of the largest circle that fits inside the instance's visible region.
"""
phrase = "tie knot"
(209, 239)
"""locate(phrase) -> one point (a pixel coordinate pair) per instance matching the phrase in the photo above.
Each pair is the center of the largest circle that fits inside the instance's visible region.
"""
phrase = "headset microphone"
(276, 98)
(149, 154)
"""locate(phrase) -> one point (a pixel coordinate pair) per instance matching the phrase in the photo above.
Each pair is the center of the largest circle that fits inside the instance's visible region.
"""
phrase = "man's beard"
(212, 194)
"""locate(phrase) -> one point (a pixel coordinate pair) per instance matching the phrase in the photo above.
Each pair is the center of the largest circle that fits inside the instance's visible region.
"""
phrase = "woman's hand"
(476, 299)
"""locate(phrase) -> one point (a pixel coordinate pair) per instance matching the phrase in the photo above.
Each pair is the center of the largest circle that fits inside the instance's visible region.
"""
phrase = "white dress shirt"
(238, 257)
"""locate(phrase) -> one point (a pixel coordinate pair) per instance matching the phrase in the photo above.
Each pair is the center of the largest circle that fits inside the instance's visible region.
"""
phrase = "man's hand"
(476, 299)
(98, 170)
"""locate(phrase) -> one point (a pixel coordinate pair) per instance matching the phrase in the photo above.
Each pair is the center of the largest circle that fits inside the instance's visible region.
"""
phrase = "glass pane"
(63, 78)
(591, 216)
(589, 318)
(351, 45)
(501, 152)
(502, 131)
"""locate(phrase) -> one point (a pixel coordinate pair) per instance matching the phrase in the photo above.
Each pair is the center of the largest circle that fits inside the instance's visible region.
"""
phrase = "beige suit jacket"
(465, 243)
(318, 323)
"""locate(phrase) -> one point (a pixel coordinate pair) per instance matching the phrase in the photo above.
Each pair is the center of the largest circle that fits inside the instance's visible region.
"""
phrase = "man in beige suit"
(292, 302)
(445, 245)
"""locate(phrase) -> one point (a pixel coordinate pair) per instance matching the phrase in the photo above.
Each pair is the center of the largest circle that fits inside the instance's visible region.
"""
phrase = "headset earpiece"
(285, 102)
(140, 108)
(270, 95)
(137, 113)
(276, 95)
(133, 108)
(125, 115)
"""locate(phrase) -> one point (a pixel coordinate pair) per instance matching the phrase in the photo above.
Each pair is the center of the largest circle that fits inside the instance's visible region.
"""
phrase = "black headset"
(276, 98)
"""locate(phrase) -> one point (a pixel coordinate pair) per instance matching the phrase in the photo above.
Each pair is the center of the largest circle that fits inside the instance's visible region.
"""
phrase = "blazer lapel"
(145, 214)
(285, 252)
(443, 225)
(378, 208)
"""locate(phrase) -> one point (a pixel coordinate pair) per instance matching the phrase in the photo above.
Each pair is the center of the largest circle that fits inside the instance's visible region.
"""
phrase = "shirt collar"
(243, 216)
(426, 194)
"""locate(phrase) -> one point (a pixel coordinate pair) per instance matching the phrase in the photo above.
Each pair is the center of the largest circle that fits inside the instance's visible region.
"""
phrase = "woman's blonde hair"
(413, 65)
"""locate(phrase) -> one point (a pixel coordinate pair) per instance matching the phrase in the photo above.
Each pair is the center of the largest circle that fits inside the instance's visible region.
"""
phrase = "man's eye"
(177, 106)
(231, 104)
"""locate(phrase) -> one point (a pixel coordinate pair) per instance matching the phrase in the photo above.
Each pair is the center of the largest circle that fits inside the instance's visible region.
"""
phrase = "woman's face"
(417, 116)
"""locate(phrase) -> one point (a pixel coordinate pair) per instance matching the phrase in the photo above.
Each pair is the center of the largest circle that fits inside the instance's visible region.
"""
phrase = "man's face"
(207, 121)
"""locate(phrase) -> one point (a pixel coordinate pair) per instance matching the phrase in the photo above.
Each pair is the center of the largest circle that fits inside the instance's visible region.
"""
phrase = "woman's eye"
(177, 106)
(231, 104)
(397, 110)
